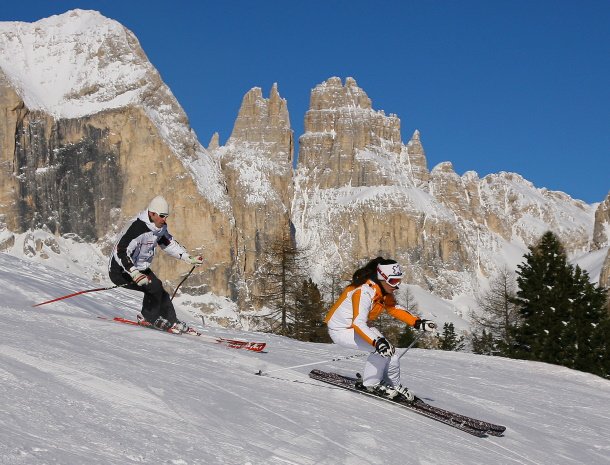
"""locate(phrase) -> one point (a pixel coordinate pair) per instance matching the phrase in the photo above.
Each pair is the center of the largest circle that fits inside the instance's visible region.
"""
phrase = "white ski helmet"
(159, 206)
(391, 274)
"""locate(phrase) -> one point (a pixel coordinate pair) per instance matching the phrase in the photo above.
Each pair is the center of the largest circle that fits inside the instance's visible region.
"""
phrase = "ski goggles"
(163, 215)
(392, 280)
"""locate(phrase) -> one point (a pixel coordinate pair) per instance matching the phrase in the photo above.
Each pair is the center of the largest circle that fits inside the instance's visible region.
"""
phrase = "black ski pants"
(157, 301)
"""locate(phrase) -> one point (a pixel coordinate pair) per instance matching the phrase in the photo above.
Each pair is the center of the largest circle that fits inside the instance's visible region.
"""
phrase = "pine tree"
(449, 340)
(586, 332)
(310, 312)
(563, 315)
(601, 341)
(484, 343)
(543, 300)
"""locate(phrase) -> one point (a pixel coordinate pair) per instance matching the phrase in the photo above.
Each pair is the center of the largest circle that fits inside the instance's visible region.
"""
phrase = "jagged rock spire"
(262, 120)
(214, 142)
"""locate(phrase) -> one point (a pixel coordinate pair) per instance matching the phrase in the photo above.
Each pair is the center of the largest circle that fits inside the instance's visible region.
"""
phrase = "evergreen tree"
(601, 342)
(310, 312)
(563, 314)
(449, 340)
(484, 343)
(586, 333)
(543, 302)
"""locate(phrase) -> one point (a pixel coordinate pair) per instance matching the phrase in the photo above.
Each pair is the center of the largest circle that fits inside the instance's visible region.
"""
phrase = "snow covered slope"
(77, 389)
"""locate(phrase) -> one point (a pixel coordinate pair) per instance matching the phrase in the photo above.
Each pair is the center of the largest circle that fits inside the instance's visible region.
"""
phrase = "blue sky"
(502, 85)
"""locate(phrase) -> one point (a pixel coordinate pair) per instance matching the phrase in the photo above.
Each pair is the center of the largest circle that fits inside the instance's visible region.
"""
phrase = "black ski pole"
(180, 284)
(411, 345)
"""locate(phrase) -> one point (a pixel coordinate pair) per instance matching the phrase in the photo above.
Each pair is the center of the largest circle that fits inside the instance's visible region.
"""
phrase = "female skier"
(350, 321)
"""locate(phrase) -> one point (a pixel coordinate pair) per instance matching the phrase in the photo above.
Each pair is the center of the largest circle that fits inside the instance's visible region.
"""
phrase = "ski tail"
(252, 346)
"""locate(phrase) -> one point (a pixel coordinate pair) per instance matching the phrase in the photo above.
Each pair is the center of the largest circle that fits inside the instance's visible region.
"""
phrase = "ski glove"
(425, 325)
(384, 347)
(195, 260)
(139, 278)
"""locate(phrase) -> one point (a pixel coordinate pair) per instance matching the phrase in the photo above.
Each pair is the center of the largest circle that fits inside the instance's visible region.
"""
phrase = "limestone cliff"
(257, 165)
(601, 238)
(601, 229)
(82, 153)
(368, 194)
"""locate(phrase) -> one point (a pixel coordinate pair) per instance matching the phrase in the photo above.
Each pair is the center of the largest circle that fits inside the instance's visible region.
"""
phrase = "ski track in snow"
(77, 389)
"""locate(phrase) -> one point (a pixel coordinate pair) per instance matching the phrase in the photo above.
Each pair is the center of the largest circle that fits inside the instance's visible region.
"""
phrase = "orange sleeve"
(402, 314)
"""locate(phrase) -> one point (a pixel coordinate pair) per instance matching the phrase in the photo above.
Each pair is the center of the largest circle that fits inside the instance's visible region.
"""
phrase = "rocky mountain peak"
(601, 231)
(332, 94)
(264, 123)
(416, 156)
(343, 132)
(214, 142)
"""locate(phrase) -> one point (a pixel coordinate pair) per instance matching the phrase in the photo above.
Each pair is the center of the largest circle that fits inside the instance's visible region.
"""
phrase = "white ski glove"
(138, 277)
(425, 325)
(384, 347)
(195, 260)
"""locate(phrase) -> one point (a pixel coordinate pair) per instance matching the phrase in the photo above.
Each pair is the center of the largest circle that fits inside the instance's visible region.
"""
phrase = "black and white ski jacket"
(136, 247)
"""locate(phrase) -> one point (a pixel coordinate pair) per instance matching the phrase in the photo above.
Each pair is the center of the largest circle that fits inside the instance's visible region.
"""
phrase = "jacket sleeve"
(172, 247)
(362, 302)
(132, 233)
(401, 313)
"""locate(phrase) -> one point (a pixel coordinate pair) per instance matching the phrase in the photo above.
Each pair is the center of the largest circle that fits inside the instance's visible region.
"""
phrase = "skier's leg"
(153, 298)
(393, 371)
(167, 308)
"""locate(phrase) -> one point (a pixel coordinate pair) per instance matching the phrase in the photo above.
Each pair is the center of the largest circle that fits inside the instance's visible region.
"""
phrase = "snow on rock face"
(81, 63)
(359, 193)
(74, 64)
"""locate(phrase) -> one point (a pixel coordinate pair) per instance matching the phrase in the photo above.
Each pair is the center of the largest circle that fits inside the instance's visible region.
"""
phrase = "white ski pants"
(376, 368)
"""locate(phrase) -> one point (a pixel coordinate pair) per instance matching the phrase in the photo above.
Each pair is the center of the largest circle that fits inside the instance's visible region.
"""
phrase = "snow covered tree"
(586, 333)
(562, 313)
(498, 314)
(542, 298)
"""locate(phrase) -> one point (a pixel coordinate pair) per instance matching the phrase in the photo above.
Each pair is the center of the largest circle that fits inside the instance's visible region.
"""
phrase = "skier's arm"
(401, 313)
(172, 247)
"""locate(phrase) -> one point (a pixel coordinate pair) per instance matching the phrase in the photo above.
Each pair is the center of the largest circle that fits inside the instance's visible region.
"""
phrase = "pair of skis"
(227, 342)
(469, 425)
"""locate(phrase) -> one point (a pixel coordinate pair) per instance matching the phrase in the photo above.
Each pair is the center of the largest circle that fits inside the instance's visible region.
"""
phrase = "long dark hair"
(369, 271)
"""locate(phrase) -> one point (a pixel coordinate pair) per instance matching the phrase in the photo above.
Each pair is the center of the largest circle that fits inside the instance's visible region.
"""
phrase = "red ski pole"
(79, 293)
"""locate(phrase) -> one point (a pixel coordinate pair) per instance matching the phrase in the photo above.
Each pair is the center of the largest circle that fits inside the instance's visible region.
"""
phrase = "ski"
(467, 424)
(231, 343)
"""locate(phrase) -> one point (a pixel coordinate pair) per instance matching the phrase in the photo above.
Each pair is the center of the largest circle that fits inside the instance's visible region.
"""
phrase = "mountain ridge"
(357, 190)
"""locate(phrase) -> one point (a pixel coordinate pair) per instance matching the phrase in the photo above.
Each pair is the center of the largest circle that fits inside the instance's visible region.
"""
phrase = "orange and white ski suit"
(350, 321)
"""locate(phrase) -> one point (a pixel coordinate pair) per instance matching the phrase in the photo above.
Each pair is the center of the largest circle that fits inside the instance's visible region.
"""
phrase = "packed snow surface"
(77, 389)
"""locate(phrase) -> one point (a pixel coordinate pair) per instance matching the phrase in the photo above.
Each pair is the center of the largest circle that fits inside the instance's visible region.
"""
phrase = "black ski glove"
(384, 347)
(425, 325)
